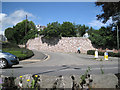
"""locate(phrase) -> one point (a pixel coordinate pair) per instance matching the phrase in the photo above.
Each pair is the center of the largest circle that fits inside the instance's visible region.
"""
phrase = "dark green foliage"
(10, 34)
(103, 38)
(92, 52)
(18, 34)
(110, 9)
(9, 45)
(30, 35)
(114, 54)
(101, 53)
(21, 53)
(52, 30)
(68, 30)
(81, 30)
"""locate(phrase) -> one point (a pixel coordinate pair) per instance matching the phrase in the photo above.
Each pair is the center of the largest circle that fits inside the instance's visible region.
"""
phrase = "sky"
(43, 13)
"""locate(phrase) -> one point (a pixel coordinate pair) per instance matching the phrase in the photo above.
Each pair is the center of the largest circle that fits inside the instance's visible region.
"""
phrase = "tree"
(110, 9)
(9, 33)
(81, 30)
(68, 29)
(18, 31)
(52, 30)
(103, 37)
(30, 35)
(90, 30)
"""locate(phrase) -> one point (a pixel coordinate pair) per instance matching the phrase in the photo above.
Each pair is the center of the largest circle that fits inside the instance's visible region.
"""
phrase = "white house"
(39, 27)
(86, 35)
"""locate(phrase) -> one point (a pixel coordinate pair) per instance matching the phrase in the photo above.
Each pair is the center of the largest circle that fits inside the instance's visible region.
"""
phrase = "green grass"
(17, 53)
(21, 53)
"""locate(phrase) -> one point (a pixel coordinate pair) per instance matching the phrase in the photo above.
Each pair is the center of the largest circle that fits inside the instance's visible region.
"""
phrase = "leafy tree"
(110, 9)
(68, 29)
(52, 30)
(102, 38)
(9, 33)
(83, 29)
(90, 30)
(30, 35)
(19, 31)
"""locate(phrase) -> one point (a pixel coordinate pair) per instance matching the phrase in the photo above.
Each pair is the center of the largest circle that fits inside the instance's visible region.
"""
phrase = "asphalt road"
(62, 64)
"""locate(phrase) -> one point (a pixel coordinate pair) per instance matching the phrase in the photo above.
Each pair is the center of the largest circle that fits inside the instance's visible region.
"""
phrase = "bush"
(21, 53)
(101, 53)
(92, 52)
(9, 45)
(114, 54)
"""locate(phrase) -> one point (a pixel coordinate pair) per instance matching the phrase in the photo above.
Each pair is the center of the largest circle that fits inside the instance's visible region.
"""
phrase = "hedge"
(92, 52)
(21, 53)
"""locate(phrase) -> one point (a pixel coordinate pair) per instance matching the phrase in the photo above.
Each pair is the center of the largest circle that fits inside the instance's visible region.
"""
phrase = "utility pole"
(117, 38)
(118, 47)
(26, 31)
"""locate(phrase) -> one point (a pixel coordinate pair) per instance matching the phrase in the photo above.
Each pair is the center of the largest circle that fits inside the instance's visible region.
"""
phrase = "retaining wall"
(65, 44)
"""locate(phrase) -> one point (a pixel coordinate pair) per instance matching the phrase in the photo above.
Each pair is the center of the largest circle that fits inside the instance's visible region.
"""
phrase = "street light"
(117, 36)
(118, 47)
(26, 31)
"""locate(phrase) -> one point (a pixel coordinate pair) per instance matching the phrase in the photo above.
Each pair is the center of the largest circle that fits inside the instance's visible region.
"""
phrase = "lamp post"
(26, 30)
(117, 36)
(118, 46)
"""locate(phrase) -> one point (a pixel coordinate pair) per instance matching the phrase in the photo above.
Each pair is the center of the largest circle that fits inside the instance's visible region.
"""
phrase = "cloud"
(12, 19)
(97, 24)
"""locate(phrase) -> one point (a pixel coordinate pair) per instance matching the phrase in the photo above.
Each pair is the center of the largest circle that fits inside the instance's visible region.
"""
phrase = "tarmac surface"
(53, 64)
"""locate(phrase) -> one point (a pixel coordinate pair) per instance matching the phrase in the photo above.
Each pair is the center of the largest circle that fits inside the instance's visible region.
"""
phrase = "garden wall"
(65, 44)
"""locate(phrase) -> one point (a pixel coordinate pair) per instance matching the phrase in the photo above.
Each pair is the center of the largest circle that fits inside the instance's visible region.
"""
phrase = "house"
(3, 38)
(39, 27)
(86, 35)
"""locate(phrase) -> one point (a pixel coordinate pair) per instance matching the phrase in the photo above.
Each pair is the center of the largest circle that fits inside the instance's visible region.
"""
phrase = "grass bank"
(21, 53)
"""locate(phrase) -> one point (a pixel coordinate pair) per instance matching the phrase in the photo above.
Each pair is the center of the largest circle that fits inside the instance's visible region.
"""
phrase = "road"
(63, 64)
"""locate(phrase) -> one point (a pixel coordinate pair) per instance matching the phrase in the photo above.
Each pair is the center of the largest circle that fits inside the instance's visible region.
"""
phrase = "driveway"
(62, 64)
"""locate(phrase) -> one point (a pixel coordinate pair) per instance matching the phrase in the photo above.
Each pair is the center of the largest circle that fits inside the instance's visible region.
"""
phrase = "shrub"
(9, 45)
(21, 53)
(101, 53)
(114, 54)
(92, 52)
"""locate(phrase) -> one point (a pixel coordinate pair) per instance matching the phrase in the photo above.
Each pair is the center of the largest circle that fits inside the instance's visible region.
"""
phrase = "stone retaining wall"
(65, 44)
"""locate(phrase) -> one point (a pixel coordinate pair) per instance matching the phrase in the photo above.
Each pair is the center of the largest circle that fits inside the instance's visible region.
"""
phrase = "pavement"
(38, 56)
(86, 59)
(52, 64)
(99, 81)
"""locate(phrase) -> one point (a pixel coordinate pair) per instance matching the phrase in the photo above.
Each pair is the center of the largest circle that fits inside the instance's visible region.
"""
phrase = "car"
(8, 60)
